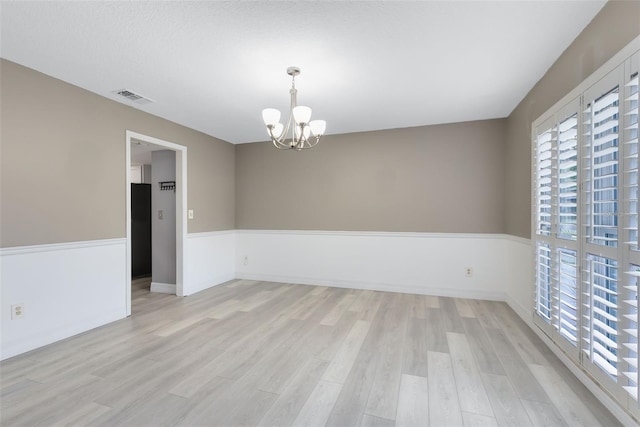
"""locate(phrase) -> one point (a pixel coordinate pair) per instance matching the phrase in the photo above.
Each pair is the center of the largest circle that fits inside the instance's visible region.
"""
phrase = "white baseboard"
(163, 288)
(371, 286)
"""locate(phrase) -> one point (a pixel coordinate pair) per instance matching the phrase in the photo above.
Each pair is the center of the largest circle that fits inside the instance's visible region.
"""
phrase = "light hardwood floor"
(273, 354)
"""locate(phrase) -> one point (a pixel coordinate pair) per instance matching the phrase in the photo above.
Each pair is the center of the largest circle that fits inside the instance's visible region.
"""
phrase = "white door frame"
(181, 208)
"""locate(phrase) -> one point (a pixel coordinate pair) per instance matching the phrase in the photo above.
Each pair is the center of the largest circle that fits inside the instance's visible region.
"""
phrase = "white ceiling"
(213, 66)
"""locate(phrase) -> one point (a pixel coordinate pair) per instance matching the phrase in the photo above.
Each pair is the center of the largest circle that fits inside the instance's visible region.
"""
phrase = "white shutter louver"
(629, 317)
(568, 178)
(543, 181)
(566, 296)
(631, 161)
(629, 306)
(601, 137)
(600, 313)
(543, 281)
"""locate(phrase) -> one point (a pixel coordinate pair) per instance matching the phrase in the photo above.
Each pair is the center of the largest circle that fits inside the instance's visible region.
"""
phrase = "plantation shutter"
(556, 225)
(604, 226)
(629, 306)
(585, 220)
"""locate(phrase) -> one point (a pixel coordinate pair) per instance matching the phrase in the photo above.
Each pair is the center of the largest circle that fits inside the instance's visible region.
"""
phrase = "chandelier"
(304, 133)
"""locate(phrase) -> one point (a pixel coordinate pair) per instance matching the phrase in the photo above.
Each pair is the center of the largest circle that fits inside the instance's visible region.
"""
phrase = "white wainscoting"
(66, 289)
(209, 261)
(519, 276)
(422, 263)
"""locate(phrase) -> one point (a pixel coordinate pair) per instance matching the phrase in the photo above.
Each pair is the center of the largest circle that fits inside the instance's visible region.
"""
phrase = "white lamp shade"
(306, 132)
(277, 130)
(271, 116)
(301, 114)
(318, 127)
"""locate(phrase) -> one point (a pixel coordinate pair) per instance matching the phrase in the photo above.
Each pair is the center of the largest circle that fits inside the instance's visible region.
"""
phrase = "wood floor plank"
(290, 402)
(47, 371)
(341, 364)
(431, 301)
(482, 349)
(317, 408)
(50, 402)
(444, 406)
(416, 305)
(281, 363)
(334, 315)
(177, 326)
(413, 402)
(475, 420)
(201, 408)
(337, 335)
(241, 282)
(415, 348)
(383, 397)
(506, 405)
(529, 346)
(371, 421)
(452, 320)
(317, 290)
(224, 309)
(372, 307)
(161, 377)
(543, 414)
(517, 371)
(436, 333)
(361, 301)
(350, 406)
(21, 387)
(485, 315)
(305, 305)
(83, 415)
(571, 408)
(473, 397)
(464, 308)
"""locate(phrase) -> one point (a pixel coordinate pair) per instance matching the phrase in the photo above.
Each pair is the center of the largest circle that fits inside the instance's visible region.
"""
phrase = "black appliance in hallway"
(140, 230)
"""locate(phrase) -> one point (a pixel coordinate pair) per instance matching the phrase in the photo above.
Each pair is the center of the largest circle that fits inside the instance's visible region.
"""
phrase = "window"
(585, 227)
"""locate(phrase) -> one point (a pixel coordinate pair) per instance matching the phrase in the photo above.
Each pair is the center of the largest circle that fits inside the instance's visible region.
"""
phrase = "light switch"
(190, 213)
(160, 214)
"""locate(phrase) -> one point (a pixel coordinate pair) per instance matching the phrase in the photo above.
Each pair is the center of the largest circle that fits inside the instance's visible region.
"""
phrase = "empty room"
(296, 213)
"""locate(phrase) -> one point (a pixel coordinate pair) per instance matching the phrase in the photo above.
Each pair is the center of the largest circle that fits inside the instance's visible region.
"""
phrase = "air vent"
(132, 96)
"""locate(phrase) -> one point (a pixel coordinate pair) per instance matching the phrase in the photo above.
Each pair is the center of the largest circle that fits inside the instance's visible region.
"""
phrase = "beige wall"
(613, 28)
(62, 165)
(444, 178)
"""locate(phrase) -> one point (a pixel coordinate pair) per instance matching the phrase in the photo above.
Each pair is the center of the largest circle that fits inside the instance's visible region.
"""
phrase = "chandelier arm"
(310, 144)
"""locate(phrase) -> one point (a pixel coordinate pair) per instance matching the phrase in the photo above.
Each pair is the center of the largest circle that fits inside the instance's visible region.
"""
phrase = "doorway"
(179, 185)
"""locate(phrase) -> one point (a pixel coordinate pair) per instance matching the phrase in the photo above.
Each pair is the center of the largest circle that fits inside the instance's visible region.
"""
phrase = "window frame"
(622, 284)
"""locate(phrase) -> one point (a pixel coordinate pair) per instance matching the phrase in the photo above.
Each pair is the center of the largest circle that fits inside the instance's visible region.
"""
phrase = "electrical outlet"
(468, 271)
(190, 213)
(246, 260)
(17, 311)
